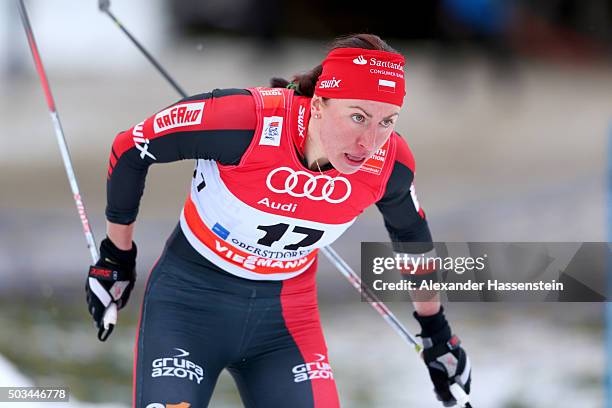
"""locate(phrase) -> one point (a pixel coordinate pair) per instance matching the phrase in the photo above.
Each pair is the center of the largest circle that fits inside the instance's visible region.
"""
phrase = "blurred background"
(508, 113)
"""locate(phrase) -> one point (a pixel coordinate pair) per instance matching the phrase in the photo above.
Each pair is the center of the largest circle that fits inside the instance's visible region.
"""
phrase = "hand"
(109, 283)
(446, 360)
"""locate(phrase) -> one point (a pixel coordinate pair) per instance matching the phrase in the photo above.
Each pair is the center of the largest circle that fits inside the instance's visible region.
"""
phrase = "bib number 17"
(275, 232)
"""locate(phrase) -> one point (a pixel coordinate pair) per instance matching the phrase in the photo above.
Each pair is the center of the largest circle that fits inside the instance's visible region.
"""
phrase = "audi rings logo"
(318, 187)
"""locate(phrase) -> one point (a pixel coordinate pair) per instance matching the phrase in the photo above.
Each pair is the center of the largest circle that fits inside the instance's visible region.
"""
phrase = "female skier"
(280, 172)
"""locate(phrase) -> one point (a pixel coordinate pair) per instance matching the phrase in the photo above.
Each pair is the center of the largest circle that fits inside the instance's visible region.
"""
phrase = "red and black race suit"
(235, 286)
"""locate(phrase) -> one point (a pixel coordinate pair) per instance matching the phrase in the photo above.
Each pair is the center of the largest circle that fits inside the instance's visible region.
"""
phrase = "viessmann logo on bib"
(298, 183)
(184, 114)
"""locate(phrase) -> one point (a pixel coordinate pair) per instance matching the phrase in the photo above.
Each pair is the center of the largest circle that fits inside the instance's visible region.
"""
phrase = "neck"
(313, 151)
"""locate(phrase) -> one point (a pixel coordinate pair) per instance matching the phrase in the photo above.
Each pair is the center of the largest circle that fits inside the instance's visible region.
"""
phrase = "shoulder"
(402, 169)
(223, 108)
(218, 93)
(236, 97)
(271, 99)
(403, 154)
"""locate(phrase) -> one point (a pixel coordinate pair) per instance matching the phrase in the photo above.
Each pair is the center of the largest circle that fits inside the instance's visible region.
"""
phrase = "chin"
(350, 170)
(345, 168)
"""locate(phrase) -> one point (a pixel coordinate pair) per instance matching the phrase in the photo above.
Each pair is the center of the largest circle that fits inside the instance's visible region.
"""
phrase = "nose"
(367, 140)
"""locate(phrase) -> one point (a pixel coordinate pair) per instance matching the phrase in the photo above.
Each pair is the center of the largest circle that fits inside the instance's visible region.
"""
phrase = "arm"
(429, 308)
(120, 235)
(217, 126)
(405, 220)
(446, 361)
(212, 126)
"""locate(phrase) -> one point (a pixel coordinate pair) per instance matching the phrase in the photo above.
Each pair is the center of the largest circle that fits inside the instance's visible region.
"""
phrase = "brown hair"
(304, 83)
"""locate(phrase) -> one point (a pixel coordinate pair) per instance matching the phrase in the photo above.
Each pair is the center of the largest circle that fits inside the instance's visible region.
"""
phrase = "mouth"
(354, 160)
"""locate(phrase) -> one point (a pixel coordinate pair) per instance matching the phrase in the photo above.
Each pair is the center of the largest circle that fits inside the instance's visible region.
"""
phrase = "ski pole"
(110, 315)
(104, 6)
(382, 309)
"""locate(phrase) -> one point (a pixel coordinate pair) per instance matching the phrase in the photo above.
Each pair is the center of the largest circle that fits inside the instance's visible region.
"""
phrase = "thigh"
(287, 364)
(179, 354)
(285, 378)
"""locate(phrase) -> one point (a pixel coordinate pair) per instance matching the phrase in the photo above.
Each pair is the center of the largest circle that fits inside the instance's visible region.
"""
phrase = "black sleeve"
(222, 132)
(403, 221)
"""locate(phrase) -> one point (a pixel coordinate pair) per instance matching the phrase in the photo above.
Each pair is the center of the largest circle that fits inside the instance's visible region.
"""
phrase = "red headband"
(357, 73)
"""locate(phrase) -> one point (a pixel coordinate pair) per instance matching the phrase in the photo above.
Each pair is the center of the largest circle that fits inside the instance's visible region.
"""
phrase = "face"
(352, 130)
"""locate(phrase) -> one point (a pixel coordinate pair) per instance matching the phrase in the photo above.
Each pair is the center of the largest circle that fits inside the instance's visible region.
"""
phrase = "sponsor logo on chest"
(300, 121)
(376, 163)
(299, 183)
(271, 131)
(185, 114)
(266, 202)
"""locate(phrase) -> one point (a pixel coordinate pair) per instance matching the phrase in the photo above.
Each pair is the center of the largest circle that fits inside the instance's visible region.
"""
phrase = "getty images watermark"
(479, 271)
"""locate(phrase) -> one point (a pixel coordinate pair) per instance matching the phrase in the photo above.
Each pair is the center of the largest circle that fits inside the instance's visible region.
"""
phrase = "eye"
(358, 117)
(387, 122)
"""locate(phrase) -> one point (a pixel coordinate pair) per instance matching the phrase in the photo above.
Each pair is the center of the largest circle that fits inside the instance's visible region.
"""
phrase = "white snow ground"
(11, 377)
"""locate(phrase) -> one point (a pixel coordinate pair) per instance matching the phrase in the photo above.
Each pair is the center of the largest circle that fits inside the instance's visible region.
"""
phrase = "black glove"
(446, 360)
(110, 280)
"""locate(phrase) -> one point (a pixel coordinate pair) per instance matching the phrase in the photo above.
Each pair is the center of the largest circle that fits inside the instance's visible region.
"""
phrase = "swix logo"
(330, 83)
(177, 366)
(277, 206)
(141, 142)
(318, 369)
(360, 60)
(185, 114)
(271, 132)
(168, 405)
(271, 92)
(300, 121)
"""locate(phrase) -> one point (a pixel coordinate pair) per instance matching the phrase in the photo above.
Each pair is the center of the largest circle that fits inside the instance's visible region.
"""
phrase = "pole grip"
(109, 322)
(463, 400)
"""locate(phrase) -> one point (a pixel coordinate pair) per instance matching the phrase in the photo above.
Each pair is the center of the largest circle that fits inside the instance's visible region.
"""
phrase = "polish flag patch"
(385, 85)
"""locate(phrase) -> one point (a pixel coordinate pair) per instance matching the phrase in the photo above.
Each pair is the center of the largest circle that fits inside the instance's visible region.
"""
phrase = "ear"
(315, 104)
